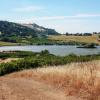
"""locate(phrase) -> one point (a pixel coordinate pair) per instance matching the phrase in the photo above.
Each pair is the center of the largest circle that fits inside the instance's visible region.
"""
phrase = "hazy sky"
(62, 15)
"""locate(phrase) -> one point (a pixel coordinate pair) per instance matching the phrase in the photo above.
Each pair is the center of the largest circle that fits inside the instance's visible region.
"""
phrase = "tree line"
(81, 34)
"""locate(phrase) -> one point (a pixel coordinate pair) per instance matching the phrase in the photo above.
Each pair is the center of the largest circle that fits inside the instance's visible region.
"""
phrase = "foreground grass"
(76, 79)
(80, 39)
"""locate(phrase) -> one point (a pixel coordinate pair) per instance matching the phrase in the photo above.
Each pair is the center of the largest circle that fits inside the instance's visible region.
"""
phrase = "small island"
(92, 45)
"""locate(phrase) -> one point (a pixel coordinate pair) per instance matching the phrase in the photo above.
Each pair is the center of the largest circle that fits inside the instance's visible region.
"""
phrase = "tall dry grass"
(76, 79)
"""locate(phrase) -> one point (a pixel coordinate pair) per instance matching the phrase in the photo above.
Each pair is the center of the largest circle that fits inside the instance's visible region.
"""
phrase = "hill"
(22, 33)
(41, 30)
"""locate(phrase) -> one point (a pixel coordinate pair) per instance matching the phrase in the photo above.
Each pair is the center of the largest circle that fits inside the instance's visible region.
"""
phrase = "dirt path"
(25, 89)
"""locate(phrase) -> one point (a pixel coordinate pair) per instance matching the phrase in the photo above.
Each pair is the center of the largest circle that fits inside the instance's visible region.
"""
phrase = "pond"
(54, 49)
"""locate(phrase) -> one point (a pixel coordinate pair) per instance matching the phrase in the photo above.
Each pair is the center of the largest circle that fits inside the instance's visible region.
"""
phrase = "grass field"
(7, 44)
(84, 39)
(76, 79)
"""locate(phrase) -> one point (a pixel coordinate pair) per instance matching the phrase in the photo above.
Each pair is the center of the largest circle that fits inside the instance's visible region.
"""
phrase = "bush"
(42, 59)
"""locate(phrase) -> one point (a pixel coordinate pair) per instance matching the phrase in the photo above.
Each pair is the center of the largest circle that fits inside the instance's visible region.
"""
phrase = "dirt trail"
(25, 89)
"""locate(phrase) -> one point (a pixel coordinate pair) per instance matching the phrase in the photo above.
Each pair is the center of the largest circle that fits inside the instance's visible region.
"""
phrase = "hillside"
(23, 33)
(41, 30)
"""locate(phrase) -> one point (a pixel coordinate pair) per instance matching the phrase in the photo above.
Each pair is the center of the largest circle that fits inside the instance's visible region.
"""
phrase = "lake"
(57, 50)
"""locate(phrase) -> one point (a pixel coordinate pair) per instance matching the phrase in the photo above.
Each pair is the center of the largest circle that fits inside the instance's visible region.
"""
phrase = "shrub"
(34, 60)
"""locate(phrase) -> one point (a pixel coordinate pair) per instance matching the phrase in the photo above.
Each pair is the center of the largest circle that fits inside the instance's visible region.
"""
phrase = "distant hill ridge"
(8, 29)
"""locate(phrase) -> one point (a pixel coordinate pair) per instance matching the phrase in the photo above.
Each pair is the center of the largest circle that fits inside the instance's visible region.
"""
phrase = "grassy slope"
(76, 79)
(85, 39)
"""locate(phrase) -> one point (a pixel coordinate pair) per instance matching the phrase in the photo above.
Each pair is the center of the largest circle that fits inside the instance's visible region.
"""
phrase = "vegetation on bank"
(34, 60)
(50, 40)
(7, 43)
(42, 41)
(16, 54)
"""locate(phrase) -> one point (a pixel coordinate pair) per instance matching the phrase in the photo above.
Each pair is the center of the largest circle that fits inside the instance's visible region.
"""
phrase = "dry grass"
(8, 60)
(76, 79)
(7, 43)
(85, 39)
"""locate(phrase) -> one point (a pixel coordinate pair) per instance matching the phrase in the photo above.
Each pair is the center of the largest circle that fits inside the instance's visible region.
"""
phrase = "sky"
(62, 15)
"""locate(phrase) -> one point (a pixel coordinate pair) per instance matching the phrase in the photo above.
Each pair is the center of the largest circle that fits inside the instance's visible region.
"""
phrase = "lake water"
(57, 50)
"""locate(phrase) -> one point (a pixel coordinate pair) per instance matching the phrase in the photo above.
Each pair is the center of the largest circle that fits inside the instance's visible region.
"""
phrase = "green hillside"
(24, 33)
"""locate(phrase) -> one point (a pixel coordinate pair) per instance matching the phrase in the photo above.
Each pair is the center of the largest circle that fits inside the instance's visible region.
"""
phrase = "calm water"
(57, 50)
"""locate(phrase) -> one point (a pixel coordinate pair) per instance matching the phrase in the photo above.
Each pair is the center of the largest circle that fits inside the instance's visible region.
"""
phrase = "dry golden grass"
(8, 60)
(7, 43)
(86, 39)
(76, 79)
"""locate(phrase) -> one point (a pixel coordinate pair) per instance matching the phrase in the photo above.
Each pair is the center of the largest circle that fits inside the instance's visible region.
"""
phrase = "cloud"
(66, 17)
(53, 18)
(72, 24)
(78, 16)
(88, 15)
(28, 9)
